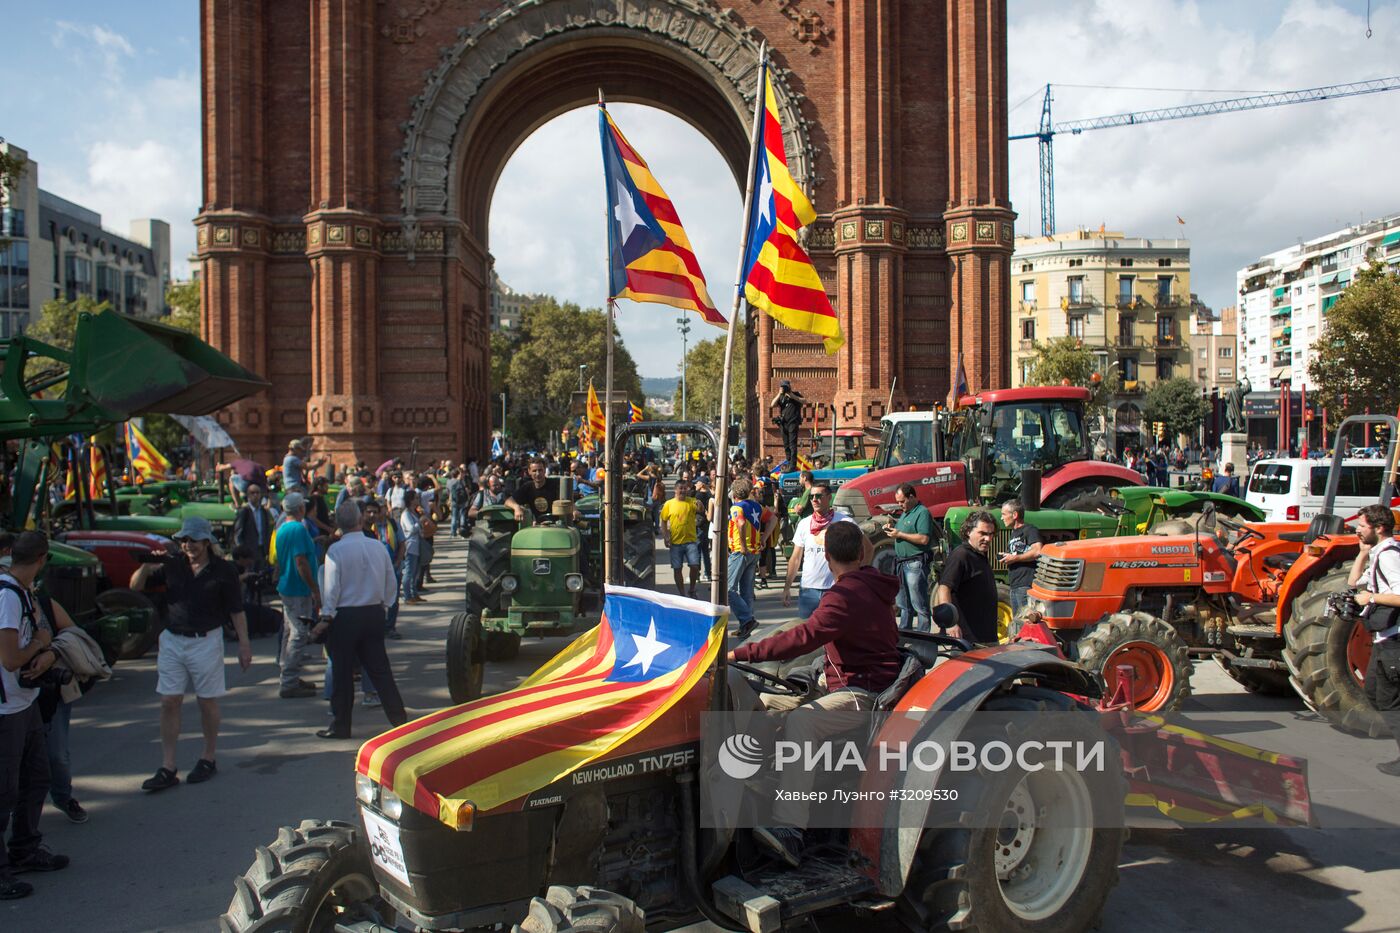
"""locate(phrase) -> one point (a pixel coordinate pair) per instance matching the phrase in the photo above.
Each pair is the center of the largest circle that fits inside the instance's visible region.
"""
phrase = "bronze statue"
(1234, 408)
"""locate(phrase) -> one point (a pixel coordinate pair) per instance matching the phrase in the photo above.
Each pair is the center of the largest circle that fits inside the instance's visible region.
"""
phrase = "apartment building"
(508, 306)
(1127, 298)
(58, 249)
(1214, 347)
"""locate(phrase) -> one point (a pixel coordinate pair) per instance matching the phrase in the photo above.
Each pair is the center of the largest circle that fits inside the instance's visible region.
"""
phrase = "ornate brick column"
(979, 217)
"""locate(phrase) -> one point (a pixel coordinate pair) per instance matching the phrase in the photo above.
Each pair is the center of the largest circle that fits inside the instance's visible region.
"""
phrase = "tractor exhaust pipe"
(1030, 489)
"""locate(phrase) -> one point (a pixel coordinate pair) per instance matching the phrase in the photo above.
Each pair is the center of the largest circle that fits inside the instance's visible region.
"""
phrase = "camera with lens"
(54, 677)
(1343, 606)
(150, 557)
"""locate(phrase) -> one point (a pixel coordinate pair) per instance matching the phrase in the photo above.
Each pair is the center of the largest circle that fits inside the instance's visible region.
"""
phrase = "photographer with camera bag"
(203, 593)
(1377, 570)
(26, 655)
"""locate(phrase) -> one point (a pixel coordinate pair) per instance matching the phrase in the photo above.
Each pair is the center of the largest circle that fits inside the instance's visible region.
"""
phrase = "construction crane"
(1049, 130)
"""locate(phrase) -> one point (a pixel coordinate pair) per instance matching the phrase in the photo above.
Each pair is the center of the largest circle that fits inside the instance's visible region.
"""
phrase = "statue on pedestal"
(1235, 422)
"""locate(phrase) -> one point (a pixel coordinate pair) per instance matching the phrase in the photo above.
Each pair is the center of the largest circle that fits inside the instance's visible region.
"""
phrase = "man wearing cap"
(294, 468)
(296, 583)
(203, 593)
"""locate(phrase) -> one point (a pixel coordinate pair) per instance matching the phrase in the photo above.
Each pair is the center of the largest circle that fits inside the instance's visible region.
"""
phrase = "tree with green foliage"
(1178, 404)
(59, 317)
(1063, 358)
(11, 167)
(704, 372)
(1357, 355)
(542, 372)
(185, 302)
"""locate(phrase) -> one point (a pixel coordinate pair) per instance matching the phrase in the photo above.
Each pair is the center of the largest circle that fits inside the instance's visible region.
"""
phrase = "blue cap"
(196, 529)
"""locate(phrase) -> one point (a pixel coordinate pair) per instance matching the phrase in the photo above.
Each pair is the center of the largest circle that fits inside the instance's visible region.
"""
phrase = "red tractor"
(978, 453)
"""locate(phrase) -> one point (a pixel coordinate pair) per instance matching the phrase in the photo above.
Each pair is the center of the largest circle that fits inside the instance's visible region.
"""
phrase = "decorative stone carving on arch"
(710, 36)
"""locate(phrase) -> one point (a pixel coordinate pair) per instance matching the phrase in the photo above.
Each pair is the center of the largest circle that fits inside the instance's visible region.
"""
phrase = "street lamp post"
(684, 323)
(581, 368)
(503, 415)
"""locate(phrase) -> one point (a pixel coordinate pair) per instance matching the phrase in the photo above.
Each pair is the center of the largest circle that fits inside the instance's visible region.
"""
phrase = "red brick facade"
(351, 147)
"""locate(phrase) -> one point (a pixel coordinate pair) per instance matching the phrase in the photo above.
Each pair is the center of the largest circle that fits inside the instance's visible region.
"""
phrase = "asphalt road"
(167, 861)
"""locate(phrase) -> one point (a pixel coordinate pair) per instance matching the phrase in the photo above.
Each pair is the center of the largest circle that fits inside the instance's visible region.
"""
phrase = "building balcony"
(1128, 302)
(1026, 307)
(1163, 301)
(1026, 346)
(1131, 387)
(1082, 303)
(1168, 341)
(1129, 341)
(1283, 359)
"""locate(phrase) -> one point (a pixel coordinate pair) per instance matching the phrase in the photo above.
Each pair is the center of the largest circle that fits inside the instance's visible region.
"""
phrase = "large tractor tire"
(639, 554)
(1328, 657)
(581, 910)
(1004, 618)
(466, 658)
(1091, 491)
(488, 557)
(1035, 852)
(312, 878)
(1152, 648)
(136, 644)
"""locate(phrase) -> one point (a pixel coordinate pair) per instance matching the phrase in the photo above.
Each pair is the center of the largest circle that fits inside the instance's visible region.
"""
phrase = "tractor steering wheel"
(1238, 527)
(784, 685)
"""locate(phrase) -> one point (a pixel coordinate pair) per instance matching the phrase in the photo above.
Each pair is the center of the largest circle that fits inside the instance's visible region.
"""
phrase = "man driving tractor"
(855, 623)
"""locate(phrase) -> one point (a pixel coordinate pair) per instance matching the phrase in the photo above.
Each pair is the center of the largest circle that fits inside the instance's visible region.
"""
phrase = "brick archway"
(352, 147)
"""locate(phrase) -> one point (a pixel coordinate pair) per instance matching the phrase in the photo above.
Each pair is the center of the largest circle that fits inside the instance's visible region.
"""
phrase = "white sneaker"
(371, 701)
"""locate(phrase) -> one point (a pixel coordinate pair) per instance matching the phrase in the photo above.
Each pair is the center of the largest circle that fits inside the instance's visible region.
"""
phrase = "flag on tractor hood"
(648, 651)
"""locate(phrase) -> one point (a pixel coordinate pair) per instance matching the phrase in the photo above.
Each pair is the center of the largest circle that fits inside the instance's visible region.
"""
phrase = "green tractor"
(537, 580)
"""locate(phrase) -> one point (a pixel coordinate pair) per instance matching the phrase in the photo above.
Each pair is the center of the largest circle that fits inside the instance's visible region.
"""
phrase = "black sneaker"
(296, 692)
(41, 859)
(164, 778)
(12, 890)
(202, 771)
(746, 629)
(1391, 768)
(74, 811)
(784, 841)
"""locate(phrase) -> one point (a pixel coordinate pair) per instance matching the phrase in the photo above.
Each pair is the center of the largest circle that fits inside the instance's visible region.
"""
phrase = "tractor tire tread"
(1315, 652)
(1117, 628)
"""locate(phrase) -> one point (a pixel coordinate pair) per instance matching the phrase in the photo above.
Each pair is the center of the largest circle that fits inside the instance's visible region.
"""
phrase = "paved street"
(167, 861)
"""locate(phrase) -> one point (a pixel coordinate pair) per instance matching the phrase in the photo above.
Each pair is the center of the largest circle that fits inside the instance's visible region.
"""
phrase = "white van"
(1293, 490)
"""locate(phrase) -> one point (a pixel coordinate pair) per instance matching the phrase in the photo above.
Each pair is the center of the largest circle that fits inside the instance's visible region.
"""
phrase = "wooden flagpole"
(609, 539)
(719, 588)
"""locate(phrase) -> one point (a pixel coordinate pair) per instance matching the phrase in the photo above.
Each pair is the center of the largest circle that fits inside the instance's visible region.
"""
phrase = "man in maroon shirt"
(855, 623)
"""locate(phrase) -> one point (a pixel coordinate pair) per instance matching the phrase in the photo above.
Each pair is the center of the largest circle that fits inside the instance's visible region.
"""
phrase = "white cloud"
(1246, 183)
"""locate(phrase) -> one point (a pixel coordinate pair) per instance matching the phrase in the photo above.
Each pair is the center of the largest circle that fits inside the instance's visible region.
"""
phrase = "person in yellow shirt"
(678, 530)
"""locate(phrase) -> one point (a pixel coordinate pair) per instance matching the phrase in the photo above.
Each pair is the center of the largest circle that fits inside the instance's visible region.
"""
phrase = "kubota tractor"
(1251, 594)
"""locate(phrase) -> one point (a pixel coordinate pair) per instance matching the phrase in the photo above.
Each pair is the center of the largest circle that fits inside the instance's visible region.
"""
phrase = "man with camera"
(1377, 571)
(26, 656)
(203, 594)
(788, 401)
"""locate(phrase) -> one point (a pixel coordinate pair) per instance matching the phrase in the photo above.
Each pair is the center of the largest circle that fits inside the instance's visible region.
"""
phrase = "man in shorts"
(678, 528)
(203, 594)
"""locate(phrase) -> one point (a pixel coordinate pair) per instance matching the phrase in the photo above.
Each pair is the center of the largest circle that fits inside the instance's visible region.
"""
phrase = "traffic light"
(1159, 428)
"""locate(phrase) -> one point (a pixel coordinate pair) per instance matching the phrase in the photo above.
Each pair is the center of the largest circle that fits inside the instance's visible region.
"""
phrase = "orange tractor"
(1252, 595)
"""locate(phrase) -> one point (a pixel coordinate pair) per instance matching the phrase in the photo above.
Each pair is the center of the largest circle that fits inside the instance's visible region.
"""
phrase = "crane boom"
(1048, 130)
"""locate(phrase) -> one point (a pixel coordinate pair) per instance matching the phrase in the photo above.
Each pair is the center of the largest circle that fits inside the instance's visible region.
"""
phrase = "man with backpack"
(460, 496)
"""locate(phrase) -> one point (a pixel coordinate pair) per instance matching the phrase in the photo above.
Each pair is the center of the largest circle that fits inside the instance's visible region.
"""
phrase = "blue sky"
(109, 108)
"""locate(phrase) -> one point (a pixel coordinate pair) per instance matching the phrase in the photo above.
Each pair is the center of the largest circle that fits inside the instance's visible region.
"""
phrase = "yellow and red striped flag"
(97, 471)
(146, 461)
(637, 413)
(781, 279)
(597, 426)
(649, 652)
(649, 255)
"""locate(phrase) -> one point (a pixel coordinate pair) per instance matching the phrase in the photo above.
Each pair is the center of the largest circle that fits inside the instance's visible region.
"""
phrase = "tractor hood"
(557, 540)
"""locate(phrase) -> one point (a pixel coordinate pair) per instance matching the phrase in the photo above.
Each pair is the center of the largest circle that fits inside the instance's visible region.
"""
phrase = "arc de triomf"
(351, 148)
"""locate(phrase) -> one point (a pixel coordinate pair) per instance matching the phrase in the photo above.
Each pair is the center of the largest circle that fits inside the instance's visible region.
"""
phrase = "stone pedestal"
(1234, 448)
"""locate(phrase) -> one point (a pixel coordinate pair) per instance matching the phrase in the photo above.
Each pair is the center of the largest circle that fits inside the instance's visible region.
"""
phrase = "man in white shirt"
(24, 760)
(1377, 571)
(359, 586)
(809, 553)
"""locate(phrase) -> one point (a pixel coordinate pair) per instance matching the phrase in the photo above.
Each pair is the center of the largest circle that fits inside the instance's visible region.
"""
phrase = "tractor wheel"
(488, 557)
(1258, 679)
(1328, 657)
(1088, 491)
(883, 560)
(1155, 651)
(135, 644)
(639, 554)
(311, 879)
(1004, 618)
(465, 658)
(584, 910)
(1098, 502)
(500, 646)
(1032, 851)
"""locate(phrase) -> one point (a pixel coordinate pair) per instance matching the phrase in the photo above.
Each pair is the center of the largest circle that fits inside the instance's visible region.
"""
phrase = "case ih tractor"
(1253, 595)
(118, 367)
(978, 452)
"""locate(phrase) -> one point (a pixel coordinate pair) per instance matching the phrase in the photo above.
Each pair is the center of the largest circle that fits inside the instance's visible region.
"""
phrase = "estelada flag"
(649, 255)
(780, 277)
(142, 454)
(597, 426)
(636, 412)
(97, 471)
(649, 651)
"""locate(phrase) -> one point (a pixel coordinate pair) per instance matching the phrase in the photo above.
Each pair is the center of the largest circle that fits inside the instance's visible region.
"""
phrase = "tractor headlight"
(573, 582)
(509, 584)
(365, 788)
(391, 804)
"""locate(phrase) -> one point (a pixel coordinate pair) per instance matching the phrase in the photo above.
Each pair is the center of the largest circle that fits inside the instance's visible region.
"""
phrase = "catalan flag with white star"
(146, 461)
(781, 279)
(649, 255)
(649, 651)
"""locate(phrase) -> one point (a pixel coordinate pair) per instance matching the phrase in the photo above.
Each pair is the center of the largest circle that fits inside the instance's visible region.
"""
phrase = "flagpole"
(719, 542)
(609, 541)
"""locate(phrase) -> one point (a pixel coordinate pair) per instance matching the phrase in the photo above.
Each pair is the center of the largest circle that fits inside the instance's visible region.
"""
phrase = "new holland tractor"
(544, 580)
(1253, 595)
(118, 367)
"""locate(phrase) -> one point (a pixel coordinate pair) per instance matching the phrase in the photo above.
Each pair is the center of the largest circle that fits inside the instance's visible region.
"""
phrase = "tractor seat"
(1280, 561)
(1173, 526)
